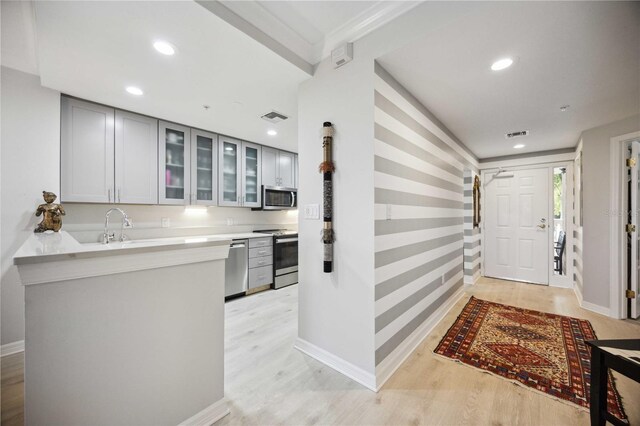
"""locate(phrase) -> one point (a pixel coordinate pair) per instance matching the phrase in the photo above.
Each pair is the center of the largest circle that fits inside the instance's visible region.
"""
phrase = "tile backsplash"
(86, 221)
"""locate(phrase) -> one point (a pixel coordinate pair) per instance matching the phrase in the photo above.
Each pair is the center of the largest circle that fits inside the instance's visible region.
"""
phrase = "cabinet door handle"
(118, 194)
(109, 195)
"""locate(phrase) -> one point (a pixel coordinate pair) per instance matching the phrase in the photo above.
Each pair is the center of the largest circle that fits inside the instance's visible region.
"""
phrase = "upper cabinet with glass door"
(230, 168)
(239, 173)
(204, 165)
(174, 161)
(251, 175)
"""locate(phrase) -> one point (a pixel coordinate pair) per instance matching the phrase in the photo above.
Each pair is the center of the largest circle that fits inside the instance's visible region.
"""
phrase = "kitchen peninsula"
(116, 334)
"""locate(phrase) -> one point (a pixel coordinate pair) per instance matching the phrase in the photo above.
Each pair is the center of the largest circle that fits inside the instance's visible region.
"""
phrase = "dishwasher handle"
(237, 245)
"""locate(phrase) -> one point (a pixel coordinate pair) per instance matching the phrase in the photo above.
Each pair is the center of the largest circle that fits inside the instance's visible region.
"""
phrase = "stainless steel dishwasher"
(236, 271)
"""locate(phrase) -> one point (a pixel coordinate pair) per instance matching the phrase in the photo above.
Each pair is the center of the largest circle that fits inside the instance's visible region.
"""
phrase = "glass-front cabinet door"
(174, 161)
(230, 169)
(251, 173)
(204, 166)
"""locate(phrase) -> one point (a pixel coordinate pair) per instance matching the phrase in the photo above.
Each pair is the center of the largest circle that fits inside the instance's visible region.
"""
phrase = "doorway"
(528, 224)
(517, 225)
(632, 228)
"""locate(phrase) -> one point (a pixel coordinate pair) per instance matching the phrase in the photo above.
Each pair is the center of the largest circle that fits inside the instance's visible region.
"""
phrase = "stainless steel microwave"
(279, 198)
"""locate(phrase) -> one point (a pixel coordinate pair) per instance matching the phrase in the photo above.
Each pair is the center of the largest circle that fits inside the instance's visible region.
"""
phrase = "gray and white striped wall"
(422, 244)
(577, 226)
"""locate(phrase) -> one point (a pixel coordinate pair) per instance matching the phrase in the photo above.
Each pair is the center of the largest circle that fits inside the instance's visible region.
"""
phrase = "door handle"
(542, 226)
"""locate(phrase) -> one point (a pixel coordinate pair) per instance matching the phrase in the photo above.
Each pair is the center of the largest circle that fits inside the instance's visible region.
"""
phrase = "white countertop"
(55, 246)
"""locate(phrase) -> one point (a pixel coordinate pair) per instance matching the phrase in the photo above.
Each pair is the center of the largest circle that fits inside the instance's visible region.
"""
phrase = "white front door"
(517, 226)
(634, 189)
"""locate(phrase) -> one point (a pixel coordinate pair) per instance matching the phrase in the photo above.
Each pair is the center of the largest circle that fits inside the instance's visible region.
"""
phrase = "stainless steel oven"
(285, 260)
(285, 256)
(279, 198)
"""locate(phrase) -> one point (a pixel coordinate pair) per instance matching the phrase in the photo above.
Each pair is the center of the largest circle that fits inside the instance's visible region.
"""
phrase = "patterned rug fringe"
(515, 382)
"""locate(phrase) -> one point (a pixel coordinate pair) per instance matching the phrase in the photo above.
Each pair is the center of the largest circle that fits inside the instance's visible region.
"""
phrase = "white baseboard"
(353, 372)
(209, 415)
(12, 348)
(578, 293)
(602, 310)
(395, 359)
(595, 308)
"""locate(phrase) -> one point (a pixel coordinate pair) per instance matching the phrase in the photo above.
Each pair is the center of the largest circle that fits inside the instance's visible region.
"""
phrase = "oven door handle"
(293, 198)
(286, 240)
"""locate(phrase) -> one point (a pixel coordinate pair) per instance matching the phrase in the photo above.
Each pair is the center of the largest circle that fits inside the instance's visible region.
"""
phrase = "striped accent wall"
(472, 238)
(419, 216)
(577, 228)
(577, 257)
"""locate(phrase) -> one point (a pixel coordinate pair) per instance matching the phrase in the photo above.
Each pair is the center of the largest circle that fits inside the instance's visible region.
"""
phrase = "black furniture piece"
(601, 362)
(559, 252)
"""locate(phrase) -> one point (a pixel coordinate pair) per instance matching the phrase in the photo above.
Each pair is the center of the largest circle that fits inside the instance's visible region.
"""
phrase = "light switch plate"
(312, 211)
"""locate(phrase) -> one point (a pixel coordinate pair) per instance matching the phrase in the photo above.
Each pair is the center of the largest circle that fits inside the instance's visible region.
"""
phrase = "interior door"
(516, 225)
(634, 252)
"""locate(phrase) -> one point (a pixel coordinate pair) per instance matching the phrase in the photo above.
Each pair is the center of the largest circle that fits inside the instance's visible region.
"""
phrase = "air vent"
(274, 117)
(516, 134)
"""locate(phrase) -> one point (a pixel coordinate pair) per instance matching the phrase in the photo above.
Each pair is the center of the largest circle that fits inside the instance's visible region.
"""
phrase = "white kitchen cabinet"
(136, 153)
(204, 166)
(251, 175)
(269, 166)
(278, 168)
(86, 152)
(174, 159)
(240, 168)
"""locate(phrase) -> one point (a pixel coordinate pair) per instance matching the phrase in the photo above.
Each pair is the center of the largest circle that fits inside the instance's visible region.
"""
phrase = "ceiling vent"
(517, 134)
(274, 117)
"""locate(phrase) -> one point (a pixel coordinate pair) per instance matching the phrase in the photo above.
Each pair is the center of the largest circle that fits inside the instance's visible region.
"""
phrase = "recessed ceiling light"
(519, 146)
(563, 108)
(135, 90)
(164, 47)
(272, 132)
(501, 64)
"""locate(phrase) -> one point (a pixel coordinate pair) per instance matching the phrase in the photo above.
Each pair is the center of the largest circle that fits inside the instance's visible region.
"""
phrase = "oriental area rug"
(546, 352)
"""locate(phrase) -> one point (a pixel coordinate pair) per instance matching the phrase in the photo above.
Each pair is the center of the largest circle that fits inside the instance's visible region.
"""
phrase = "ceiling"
(93, 50)
(585, 54)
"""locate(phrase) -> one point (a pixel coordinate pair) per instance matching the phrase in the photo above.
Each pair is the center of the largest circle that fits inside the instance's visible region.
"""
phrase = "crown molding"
(364, 23)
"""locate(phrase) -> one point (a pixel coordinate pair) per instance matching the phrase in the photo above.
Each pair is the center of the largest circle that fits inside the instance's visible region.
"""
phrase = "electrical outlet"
(388, 212)
(312, 211)
(166, 222)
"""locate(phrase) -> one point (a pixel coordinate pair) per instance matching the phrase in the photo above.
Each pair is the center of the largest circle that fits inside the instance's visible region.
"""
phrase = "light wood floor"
(269, 382)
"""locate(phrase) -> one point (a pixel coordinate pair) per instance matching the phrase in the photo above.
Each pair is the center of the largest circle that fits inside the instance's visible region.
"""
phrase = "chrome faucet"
(126, 223)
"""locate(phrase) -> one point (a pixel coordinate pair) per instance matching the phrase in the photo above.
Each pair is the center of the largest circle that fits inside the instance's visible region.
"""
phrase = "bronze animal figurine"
(52, 214)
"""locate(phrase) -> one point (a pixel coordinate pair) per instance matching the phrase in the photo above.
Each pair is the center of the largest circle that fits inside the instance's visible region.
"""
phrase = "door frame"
(617, 209)
(563, 281)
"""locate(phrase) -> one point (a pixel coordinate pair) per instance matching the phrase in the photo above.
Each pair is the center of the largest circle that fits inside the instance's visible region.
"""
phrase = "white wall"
(336, 310)
(596, 144)
(29, 160)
